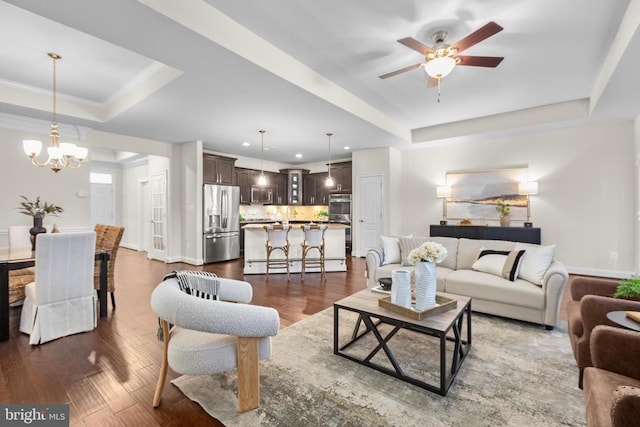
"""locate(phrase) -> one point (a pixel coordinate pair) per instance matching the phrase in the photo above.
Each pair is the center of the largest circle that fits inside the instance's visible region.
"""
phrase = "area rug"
(516, 374)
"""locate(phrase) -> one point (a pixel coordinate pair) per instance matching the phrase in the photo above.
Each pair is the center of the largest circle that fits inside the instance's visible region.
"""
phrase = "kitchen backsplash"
(279, 213)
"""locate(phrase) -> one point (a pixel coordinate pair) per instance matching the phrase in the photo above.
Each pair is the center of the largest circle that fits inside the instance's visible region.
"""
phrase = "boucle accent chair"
(591, 300)
(210, 336)
(612, 385)
(107, 239)
(61, 301)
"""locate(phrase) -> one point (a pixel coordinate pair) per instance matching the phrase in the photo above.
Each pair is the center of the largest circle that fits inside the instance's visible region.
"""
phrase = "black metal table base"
(372, 323)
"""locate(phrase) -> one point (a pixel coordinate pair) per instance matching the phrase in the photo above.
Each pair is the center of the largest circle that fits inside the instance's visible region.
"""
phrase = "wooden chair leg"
(165, 363)
(113, 301)
(268, 257)
(248, 374)
(304, 262)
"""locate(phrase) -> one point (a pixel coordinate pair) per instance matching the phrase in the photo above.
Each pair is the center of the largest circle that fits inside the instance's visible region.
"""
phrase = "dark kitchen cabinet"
(341, 174)
(244, 179)
(218, 170)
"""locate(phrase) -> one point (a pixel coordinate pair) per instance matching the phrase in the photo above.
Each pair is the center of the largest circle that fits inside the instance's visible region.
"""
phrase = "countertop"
(260, 225)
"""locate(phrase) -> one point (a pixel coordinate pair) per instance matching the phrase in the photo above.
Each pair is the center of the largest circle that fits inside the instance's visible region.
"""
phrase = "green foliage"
(38, 210)
(628, 288)
(503, 208)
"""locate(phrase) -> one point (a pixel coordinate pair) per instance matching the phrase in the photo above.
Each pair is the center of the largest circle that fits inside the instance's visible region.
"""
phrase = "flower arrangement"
(38, 210)
(427, 252)
(504, 208)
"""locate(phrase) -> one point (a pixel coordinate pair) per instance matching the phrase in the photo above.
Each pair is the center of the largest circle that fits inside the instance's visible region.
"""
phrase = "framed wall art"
(476, 195)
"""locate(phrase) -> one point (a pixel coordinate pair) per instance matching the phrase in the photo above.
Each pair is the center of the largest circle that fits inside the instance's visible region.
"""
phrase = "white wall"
(130, 203)
(586, 176)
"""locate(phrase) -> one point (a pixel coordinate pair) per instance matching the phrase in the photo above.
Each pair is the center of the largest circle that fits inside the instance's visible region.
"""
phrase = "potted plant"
(38, 211)
(628, 289)
(504, 209)
(322, 215)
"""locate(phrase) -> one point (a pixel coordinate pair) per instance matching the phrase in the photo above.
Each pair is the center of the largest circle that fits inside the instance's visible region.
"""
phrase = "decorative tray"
(442, 304)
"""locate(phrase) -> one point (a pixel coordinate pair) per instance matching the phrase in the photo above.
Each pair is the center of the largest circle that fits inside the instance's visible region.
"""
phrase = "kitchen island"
(255, 254)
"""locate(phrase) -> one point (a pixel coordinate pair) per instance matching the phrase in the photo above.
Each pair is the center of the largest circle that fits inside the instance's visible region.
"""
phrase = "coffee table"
(447, 328)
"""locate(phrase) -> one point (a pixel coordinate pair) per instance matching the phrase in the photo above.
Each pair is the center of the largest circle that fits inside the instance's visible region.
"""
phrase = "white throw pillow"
(491, 263)
(391, 249)
(535, 262)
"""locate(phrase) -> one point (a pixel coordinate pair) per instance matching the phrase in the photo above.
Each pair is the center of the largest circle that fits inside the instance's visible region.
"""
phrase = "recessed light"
(346, 147)
(245, 144)
(298, 155)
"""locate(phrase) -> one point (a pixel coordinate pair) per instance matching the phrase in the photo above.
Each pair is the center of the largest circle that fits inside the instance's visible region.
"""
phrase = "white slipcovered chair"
(210, 336)
(61, 301)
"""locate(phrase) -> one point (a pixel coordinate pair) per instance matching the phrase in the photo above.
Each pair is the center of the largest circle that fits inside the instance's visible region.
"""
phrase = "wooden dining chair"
(107, 239)
(19, 239)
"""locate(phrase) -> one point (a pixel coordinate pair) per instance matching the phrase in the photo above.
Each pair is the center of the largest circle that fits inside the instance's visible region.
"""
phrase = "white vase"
(401, 288)
(425, 285)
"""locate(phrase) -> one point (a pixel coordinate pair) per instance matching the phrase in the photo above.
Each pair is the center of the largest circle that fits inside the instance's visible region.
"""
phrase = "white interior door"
(102, 204)
(370, 209)
(158, 249)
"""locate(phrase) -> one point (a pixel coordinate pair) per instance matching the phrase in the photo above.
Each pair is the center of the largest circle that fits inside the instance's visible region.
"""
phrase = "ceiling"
(219, 71)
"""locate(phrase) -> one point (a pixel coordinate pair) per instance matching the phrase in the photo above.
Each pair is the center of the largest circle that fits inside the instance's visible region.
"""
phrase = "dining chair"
(107, 239)
(19, 238)
(204, 335)
(61, 301)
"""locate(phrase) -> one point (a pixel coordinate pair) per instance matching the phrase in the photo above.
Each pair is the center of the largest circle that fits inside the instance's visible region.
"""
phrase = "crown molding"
(43, 127)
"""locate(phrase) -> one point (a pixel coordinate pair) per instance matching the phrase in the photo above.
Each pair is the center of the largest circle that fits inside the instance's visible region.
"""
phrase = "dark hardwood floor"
(108, 376)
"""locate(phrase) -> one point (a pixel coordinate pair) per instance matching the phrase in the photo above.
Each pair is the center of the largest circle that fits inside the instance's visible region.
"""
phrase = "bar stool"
(277, 239)
(313, 239)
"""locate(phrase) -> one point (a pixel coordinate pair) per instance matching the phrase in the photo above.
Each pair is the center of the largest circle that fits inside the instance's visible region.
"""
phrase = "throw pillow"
(512, 265)
(505, 264)
(536, 262)
(490, 261)
(407, 244)
(391, 249)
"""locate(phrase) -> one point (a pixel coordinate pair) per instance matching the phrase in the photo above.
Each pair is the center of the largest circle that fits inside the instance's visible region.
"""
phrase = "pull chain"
(439, 89)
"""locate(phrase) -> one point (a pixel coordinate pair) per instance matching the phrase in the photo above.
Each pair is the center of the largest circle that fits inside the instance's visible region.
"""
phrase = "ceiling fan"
(442, 58)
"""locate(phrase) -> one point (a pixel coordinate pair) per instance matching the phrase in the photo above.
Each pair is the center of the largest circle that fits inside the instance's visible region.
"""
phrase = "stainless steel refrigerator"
(221, 228)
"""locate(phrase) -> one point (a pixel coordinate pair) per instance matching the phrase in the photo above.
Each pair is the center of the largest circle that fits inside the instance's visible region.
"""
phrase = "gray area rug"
(516, 374)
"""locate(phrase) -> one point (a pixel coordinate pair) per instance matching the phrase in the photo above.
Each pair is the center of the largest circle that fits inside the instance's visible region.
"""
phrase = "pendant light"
(329, 181)
(262, 180)
(61, 154)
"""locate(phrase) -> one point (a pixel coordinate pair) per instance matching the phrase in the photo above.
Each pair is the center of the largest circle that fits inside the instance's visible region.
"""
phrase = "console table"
(514, 234)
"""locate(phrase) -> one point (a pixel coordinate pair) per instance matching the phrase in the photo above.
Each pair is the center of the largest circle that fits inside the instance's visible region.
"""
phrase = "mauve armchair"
(591, 300)
(612, 385)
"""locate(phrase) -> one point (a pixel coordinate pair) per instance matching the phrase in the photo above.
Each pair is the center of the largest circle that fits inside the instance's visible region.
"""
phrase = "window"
(100, 178)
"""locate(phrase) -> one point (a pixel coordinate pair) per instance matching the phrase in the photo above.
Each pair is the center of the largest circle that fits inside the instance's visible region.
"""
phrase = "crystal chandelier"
(61, 154)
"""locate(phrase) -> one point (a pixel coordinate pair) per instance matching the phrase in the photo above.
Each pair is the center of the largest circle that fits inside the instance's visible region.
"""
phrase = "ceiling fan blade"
(477, 36)
(480, 61)
(432, 82)
(415, 45)
(400, 71)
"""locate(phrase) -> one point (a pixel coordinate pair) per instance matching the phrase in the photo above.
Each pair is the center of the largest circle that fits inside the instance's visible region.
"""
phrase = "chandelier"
(61, 154)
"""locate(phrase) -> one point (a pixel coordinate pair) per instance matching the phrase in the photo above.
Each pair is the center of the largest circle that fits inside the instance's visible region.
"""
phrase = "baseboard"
(614, 274)
(130, 246)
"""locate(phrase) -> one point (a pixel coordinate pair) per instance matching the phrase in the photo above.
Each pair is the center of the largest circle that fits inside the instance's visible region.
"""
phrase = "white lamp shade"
(262, 180)
(31, 147)
(528, 188)
(440, 67)
(329, 182)
(55, 153)
(442, 191)
(68, 149)
(81, 153)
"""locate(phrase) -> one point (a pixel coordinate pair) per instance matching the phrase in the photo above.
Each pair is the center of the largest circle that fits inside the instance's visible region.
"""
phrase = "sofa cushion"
(451, 245)
(536, 262)
(500, 263)
(486, 286)
(468, 250)
(391, 250)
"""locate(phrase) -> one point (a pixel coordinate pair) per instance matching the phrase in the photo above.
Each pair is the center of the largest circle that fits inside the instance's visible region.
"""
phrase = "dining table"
(15, 259)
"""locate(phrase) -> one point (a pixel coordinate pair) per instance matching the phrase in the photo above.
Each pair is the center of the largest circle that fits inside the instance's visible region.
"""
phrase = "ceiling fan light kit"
(441, 59)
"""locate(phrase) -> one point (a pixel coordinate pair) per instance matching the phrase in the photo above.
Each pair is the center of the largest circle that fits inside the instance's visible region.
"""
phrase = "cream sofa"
(492, 294)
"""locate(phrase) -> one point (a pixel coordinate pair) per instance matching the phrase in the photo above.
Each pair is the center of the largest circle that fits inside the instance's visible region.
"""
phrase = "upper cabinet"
(315, 191)
(218, 169)
(341, 174)
(243, 180)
